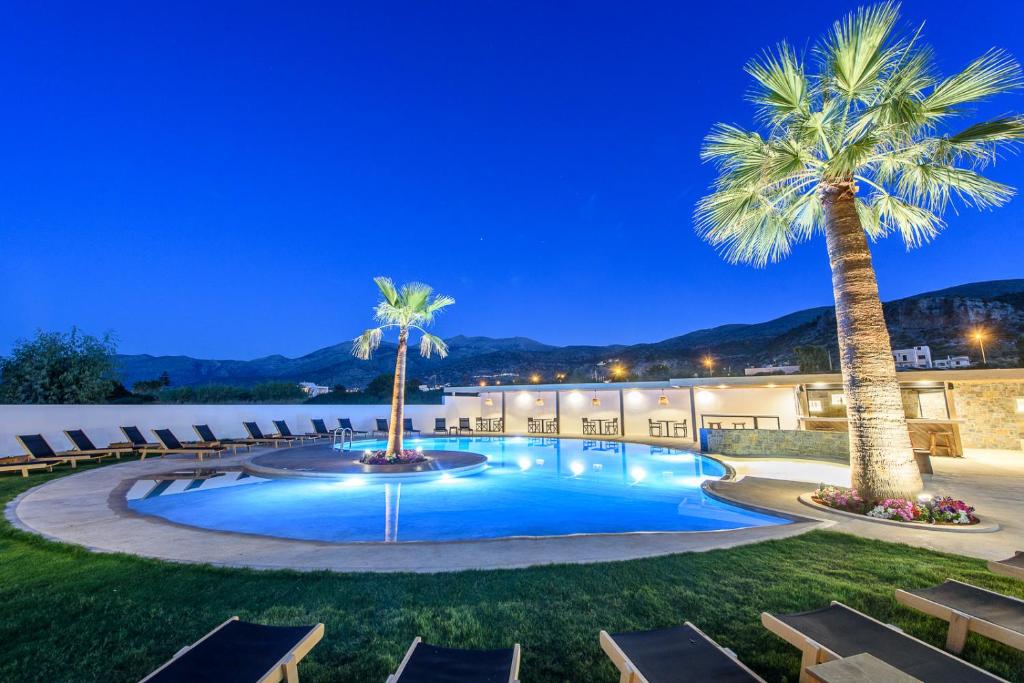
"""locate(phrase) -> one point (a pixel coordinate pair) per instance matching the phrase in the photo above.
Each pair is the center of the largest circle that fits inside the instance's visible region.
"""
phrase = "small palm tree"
(858, 149)
(411, 307)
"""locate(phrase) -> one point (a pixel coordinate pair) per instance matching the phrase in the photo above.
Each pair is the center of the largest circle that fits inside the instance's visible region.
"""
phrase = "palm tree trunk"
(882, 461)
(395, 426)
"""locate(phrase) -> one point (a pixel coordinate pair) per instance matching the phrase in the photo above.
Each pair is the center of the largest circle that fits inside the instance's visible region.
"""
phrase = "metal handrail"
(341, 434)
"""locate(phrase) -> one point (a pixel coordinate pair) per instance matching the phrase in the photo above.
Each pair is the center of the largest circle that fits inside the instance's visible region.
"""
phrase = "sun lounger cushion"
(238, 651)
(975, 602)
(675, 655)
(254, 430)
(168, 439)
(134, 435)
(37, 446)
(282, 428)
(81, 441)
(204, 432)
(848, 632)
(432, 664)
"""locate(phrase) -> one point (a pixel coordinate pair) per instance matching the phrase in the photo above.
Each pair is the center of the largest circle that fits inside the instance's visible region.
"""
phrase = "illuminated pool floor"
(532, 487)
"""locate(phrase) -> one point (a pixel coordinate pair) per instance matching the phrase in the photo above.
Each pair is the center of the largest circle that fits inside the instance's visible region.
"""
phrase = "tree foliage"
(811, 359)
(58, 367)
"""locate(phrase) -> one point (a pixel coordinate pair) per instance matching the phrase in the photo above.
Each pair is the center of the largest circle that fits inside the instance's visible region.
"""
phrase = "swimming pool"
(530, 487)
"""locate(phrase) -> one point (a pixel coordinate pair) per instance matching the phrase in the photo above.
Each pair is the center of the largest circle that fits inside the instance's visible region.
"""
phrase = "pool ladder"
(341, 436)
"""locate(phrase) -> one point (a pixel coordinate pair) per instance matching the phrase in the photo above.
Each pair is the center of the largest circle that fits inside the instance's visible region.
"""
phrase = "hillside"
(940, 319)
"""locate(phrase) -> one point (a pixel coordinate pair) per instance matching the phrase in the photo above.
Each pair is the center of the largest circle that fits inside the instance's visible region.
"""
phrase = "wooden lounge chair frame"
(286, 668)
(301, 438)
(233, 444)
(961, 623)
(143, 449)
(263, 439)
(1000, 567)
(116, 450)
(513, 676)
(27, 465)
(629, 673)
(350, 427)
(813, 652)
(198, 451)
(58, 458)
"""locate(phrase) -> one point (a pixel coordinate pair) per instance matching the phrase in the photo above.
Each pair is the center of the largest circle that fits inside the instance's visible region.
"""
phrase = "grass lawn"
(71, 615)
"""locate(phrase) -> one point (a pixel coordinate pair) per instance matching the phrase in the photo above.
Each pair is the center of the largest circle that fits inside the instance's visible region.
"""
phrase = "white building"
(772, 370)
(951, 363)
(313, 389)
(919, 357)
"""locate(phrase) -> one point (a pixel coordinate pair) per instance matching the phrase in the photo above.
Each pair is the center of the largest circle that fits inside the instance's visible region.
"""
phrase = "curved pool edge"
(76, 509)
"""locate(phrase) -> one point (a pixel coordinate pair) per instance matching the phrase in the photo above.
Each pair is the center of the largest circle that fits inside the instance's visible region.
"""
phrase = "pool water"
(531, 487)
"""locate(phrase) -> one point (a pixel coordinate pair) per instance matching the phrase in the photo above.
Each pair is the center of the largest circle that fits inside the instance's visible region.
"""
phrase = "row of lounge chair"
(240, 651)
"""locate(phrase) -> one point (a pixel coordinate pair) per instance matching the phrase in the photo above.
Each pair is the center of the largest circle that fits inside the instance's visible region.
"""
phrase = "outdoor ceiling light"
(488, 401)
(540, 401)
(595, 401)
(663, 400)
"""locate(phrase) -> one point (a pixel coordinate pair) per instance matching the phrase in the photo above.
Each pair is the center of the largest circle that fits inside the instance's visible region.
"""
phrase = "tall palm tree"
(410, 307)
(858, 148)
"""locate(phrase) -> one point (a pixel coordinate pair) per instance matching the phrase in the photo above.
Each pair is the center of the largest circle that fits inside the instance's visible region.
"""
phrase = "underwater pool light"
(576, 467)
(638, 474)
(524, 464)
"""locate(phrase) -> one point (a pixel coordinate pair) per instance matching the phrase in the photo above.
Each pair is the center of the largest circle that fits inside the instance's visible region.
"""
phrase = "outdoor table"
(739, 425)
(714, 425)
(862, 668)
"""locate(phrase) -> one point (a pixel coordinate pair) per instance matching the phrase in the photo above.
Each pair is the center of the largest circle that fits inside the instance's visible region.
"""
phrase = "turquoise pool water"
(531, 487)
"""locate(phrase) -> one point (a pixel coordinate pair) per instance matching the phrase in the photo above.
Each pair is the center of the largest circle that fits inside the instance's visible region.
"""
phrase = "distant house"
(951, 363)
(313, 390)
(918, 358)
(772, 370)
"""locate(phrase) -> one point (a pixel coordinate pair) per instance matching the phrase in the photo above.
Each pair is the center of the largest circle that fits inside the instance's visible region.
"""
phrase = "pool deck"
(88, 509)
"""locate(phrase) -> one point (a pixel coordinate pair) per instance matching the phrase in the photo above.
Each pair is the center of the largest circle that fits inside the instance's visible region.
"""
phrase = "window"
(838, 399)
(814, 406)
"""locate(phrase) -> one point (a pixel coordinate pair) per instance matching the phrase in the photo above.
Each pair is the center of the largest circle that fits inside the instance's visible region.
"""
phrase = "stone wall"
(790, 443)
(989, 411)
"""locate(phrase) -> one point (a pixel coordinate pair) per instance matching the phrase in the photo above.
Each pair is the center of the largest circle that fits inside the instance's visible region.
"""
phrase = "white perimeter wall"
(102, 422)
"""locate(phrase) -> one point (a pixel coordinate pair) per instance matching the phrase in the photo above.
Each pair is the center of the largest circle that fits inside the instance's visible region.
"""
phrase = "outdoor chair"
(673, 655)
(285, 432)
(839, 631)
(24, 463)
(137, 441)
(969, 608)
(429, 663)
(532, 425)
(407, 426)
(346, 423)
(83, 444)
(39, 450)
(464, 425)
(654, 428)
(206, 436)
(256, 434)
(611, 427)
(1011, 566)
(171, 446)
(320, 428)
(589, 426)
(440, 425)
(679, 429)
(382, 427)
(241, 651)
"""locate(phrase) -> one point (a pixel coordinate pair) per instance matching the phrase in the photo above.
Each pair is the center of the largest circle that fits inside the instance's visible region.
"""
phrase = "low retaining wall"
(789, 443)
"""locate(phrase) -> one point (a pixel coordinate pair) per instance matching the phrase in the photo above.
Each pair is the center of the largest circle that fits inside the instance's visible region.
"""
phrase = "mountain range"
(940, 319)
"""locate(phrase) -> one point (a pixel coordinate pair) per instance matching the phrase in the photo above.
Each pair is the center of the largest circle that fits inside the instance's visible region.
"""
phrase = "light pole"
(979, 336)
(709, 363)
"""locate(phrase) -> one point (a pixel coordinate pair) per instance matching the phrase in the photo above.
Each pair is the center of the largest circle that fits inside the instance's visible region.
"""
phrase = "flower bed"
(927, 510)
(381, 457)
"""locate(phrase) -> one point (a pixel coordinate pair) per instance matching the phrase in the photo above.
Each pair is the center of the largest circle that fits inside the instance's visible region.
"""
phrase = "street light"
(618, 371)
(535, 378)
(979, 336)
(709, 363)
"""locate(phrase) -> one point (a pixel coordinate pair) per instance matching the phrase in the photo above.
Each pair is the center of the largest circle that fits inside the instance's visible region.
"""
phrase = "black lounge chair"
(346, 423)
(464, 425)
(83, 444)
(257, 435)
(206, 436)
(171, 446)
(137, 441)
(682, 654)
(839, 631)
(285, 432)
(407, 426)
(969, 608)
(440, 425)
(39, 450)
(1011, 566)
(425, 663)
(382, 427)
(320, 428)
(240, 651)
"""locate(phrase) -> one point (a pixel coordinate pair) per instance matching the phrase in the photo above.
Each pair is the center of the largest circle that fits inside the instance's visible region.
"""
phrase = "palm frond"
(430, 344)
(365, 344)
(387, 289)
(992, 73)
(979, 141)
(435, 305)
(934, 186)
(783, 88)
(917, 225)
(856, 52)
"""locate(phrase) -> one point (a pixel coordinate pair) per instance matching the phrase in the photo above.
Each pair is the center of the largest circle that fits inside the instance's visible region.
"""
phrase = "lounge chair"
(382, 427)
(839, 631)
(137, 441)
(1011, 566)
(464, 425)
(25, 463)
(285, 432)
(673, 655)
(423, 663)
(39, 450)
(407, 426)
(83, 444)
(240, 651)
(320, 429)
(206, 436)
(171, 446)
(257, 435)
(969, 608)
(440, 425)
(346, 423)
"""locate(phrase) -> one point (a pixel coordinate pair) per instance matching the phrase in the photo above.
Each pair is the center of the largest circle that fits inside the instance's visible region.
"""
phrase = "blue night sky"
(225, 182)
